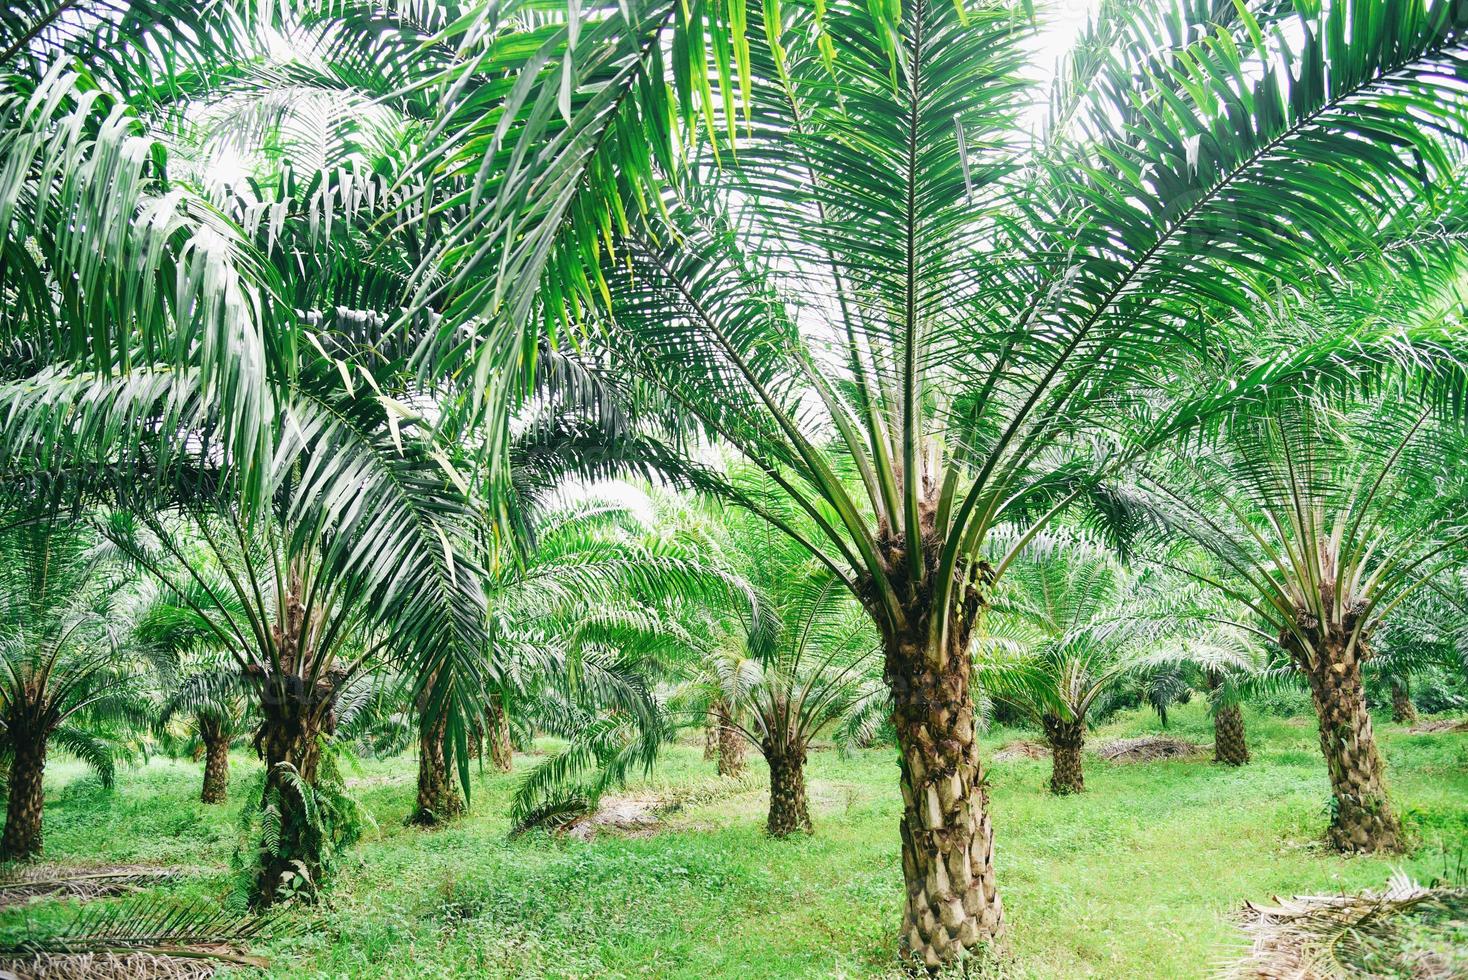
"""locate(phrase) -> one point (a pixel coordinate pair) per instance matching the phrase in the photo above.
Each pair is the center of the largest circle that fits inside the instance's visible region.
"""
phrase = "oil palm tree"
(242, 392)
(817, 669)
(204, 691)
(588, 624)
(1323, 521)
(1063, 631)
(65, 671)
(212, 697)
(777, 675)
(891, 273)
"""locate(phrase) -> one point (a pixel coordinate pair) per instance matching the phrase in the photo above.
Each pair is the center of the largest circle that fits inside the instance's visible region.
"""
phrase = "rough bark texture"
(438, 797)
(711, 737)
(1403, 710)
(1229, 745)
(501, 749)
(1066, 739)
(789, 811)
(1362, 819)
(731, 743)
(22, 837)
(952, 903)
(289, 740)
(216, 761)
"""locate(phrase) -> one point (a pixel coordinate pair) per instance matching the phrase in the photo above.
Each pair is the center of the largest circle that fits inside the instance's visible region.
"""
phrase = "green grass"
(1140, 876)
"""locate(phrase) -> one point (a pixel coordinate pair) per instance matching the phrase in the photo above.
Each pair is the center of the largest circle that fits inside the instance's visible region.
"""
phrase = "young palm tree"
(64, 667)
(202, 685)
(1063, 631)
(808, 660)
(586, 625)
(213, 698)
(1324, 522)
(891, 275)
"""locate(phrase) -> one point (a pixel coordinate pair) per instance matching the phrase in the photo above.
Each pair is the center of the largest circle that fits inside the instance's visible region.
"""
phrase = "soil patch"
(1149, 748)
(1022, 748)
(627, 816)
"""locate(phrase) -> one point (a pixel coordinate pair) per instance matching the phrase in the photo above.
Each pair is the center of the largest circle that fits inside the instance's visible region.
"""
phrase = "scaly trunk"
(1229, 744)
(1362, 818)
(789, 812)
(294, 727)
(1066, 739)
(947, 840)
(501, 750)
(1404, 712)
(710, 736)
(22, 837)
(438, 797)
(216, 761)
(731, 743)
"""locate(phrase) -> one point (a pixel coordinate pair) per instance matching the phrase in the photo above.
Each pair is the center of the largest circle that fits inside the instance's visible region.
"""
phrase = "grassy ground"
(1136, 878)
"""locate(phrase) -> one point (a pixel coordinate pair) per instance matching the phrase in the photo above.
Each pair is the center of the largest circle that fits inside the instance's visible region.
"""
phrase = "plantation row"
(442, 375)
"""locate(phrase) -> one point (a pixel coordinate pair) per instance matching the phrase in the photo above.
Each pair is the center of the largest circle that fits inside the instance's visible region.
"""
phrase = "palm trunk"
(1404, 712)
(501, 750)
(710, 736)
(1362, 818)
(1066, 739)
(731, 743)
(22, 836)
(216, 761)
(1229, 745)
(789, 812)
(293, 730)
(438, 797)
(952, 903)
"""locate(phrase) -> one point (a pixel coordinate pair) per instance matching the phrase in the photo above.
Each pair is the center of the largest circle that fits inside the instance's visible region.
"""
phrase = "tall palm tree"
(227, 367)
(891, 274)
(63, 663)
(1323, 522)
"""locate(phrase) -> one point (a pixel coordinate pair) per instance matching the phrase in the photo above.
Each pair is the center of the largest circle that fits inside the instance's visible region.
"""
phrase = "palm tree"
(1064, 629)
(890, 275)
(227, 368)
(202, 686)
(780, 674)
(1323, 522)
(213, 698)
(588, 625)
(65, 671)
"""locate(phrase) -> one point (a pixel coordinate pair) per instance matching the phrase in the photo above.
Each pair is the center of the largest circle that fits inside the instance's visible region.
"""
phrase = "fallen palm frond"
(1147, 748)
(1439, 725)
(85, 883)
(113, 966)
(148, 925)
(1406, 931)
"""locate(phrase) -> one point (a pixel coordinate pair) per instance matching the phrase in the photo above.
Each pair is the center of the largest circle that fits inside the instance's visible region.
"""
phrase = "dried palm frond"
(1406, 931)
(79, 882)
(1147, 748)
(113, 966)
